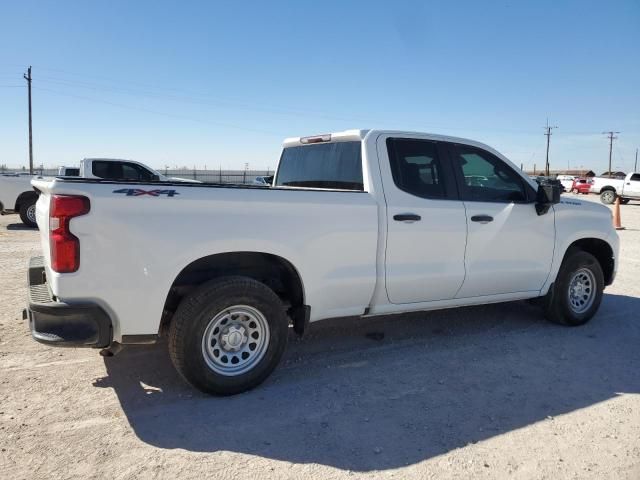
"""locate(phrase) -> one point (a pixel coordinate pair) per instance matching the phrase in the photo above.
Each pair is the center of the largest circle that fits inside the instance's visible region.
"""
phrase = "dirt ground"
(482, 392)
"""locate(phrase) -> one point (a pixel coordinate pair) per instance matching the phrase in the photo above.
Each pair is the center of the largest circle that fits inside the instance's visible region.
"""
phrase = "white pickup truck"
(357, 223)
(17, 195)
(610, 188)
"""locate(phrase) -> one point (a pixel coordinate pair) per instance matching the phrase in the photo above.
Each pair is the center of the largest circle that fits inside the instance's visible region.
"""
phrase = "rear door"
(426, 223)
(509, 246)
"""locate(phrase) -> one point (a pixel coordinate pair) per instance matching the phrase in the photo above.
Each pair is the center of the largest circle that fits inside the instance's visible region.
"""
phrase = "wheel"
(576, 294)
(228, 335)
(624, 201)
(574, 191)
(28, 212)
(608, 197)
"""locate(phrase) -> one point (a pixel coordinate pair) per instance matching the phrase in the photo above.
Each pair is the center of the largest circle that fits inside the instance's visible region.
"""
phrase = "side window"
(416, 168)
(486, 178)
(106, 170)
(635, 177)
(131, 171)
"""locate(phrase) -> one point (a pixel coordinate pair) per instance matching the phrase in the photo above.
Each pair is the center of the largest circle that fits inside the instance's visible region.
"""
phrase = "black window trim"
(451, 147)
(451, 190)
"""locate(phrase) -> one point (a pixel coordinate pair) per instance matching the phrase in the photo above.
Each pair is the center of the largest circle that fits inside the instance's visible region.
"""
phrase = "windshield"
(324, 165)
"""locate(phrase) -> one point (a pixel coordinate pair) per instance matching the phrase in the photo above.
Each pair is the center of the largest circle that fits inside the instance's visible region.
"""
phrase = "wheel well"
(272, 270)
(609, 188)
(24, 197)
(603, 253)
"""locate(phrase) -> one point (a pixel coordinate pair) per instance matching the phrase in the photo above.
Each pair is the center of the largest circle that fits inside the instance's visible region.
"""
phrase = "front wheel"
(608, 197)
(576, 294)
(228, 335)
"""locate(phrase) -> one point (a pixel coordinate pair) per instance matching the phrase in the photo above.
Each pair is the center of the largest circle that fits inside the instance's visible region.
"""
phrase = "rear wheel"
(608, 197)
(574, 191)
(28, 212)
(576, 294)
(228, 335)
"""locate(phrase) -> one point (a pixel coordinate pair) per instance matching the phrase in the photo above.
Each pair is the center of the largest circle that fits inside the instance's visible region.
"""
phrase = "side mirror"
(548, 194)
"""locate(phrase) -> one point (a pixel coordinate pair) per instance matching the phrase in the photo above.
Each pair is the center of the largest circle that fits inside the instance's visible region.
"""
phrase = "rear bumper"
(61, 324)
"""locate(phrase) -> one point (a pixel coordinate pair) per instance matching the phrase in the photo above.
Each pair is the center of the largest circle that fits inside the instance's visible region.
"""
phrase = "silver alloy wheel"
(582, 290)
(31, 213)
(235, 340)
(608, 196)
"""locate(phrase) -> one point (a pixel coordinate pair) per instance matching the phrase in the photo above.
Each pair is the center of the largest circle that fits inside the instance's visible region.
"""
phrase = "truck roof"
(360, 134)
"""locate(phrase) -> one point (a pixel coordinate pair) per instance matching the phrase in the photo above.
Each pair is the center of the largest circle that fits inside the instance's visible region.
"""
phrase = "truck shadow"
(382, 393)
(20, 226)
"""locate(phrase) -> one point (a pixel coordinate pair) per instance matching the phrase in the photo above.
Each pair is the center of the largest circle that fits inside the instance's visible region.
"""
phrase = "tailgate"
(42, 217)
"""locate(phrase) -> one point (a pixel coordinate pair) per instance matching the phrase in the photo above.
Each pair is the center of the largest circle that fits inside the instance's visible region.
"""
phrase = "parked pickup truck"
(357, 223)
(17, 195)
(610, 188)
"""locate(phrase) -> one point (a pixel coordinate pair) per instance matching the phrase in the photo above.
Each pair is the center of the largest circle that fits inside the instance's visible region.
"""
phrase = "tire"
(575, 191)
(576, 294)
(624, 201)
(219, 322)
(608, 197)
(28, 212)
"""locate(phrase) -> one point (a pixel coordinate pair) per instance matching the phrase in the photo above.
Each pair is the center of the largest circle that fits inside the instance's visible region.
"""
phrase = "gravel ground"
(482, 392)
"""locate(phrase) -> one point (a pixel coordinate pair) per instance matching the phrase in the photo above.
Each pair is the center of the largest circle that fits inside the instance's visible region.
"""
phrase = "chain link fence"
(208, 176)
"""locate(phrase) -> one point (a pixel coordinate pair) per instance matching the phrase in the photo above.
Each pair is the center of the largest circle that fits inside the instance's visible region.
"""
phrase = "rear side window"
(323, 165)
(416, 168)
(635, 177)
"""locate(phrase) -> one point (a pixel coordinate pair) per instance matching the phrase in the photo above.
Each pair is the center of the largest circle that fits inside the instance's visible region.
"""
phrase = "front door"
(509, 246)
(426, 223)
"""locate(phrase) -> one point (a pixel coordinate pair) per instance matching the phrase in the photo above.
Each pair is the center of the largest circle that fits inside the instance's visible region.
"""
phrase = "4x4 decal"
(138, 192)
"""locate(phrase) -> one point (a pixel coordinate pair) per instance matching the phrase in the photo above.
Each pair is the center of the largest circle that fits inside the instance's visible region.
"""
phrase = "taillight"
(65, 247)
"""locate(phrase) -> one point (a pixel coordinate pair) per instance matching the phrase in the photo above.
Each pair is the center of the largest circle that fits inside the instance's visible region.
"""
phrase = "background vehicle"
(69, 171)
(581, 185)
(610, 188)
(17, 196)
(117, 169)
(125, 261)
(263, 180)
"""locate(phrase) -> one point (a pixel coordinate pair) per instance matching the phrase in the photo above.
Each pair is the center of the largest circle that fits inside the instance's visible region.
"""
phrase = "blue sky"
(222, 83)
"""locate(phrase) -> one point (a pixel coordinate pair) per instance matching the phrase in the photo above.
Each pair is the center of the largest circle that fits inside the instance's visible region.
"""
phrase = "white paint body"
(352, 258)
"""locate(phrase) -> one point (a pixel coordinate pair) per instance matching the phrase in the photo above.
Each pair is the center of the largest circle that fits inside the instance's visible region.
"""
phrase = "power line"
(612, 137)
(164, 114)
(548, 135)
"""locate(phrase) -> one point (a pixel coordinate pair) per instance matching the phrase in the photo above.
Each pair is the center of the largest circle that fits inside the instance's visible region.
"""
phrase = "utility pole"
(548, 135)
(635, 165)
(612, 137)
(27, 77)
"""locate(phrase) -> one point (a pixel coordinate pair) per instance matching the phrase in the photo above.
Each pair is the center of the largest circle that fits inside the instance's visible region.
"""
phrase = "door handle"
(482, 218)
(406, 217)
